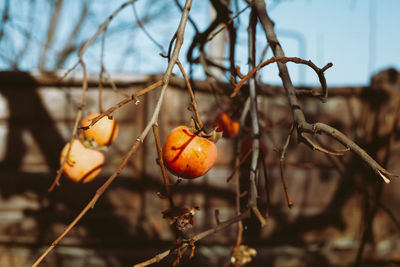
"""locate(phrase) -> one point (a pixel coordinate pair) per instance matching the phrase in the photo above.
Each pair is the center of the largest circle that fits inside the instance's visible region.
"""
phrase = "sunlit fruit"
(188, 155)
(103, 131)
(83, 164)
(226, 125)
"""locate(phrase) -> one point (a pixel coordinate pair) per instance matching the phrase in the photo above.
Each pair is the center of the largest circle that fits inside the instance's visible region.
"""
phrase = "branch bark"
(298, 115)
(253, 194)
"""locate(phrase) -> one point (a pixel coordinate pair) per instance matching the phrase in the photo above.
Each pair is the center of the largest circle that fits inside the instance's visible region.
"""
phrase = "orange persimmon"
(226, 125)
(83, 164)
(103, 132)
(188, 155)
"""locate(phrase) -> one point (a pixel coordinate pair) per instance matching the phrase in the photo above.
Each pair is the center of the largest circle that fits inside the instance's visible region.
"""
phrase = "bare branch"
(226, 24)
(298, 115)
(75, 129)
(317, 147)
(196, 238)
(320, 72)
(282, 167)
(131, 98)
(253, 195)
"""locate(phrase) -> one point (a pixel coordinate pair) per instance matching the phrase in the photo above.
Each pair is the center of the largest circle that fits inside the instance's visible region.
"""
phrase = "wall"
(333, 196)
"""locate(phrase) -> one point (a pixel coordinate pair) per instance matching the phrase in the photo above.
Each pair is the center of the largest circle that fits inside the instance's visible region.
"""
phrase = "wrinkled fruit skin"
(226, 125)
(188, 155)
(103, 132)
(83, 164)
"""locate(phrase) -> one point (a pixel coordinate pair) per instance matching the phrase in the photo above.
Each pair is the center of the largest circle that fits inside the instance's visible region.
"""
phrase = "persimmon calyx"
(212, 135)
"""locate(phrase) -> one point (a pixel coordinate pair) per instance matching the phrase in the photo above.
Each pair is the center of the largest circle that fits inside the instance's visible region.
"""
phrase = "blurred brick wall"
(126, 225)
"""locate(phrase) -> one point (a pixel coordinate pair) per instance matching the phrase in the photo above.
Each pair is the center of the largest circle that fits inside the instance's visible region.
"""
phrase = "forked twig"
(196, 238)
(317, 147)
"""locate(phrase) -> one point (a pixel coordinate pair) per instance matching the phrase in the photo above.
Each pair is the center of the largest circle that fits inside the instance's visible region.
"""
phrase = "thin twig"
(282, 167)
(91, 204)
(97, 33)
(113, 85)
(102, 70)
(237, 190)
(266, 184)
(347, 142)
(147, 33)
(160, 161)
(190, 19)
(56, 181)
(242, 160)
(320, 72)
(196, 238)
(226, 24)
(192, 98)
(133, 97)
(317, 147)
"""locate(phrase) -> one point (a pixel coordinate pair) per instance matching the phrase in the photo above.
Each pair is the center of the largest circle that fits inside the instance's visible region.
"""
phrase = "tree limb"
(298, 115)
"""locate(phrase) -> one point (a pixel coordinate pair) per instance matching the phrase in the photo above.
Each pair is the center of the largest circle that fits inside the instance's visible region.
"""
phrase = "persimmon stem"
(192, 98)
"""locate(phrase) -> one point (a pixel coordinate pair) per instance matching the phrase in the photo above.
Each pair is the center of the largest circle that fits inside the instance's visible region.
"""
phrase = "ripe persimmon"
(188, 155)
(83, 164)
(226, 125)
(102, 132)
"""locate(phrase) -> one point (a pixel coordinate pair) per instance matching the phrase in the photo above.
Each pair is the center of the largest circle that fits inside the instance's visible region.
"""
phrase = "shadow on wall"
(26, 112)
(123, 232)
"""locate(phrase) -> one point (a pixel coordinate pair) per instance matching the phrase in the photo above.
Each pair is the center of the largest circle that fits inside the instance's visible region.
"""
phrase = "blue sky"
(339, 32)
(321, 30)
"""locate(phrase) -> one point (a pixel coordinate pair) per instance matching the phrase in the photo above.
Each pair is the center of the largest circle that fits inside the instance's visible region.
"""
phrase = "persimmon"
(226, 125)
(83, 164)
(103, 132)
(188, 155)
